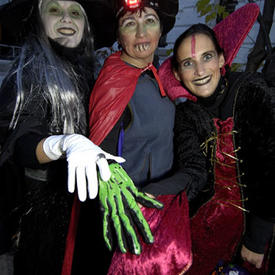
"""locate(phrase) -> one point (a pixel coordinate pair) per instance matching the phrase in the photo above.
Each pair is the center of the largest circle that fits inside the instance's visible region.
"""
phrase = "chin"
(206, 92)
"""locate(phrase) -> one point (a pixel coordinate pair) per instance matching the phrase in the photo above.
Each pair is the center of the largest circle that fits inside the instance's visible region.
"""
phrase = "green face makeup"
(63, 21)
(137, 22)
(54, 9)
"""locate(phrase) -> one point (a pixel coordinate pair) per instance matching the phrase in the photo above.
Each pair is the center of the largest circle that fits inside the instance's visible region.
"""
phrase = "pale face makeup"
(199, 65)
(139, 35)
(63, 21)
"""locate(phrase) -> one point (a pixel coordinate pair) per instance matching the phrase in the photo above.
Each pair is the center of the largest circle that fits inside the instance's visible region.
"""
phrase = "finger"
(104, 169)
(148, 201)
(81, 183)
(115, 158)
(138, 218)
(131, 237)
(258, 265)
(107, 230)
(118, 229)
(91, 175)
(120, 221)
(259, 261)
(130, 232)
(141, 197)
(125, 216)
(71, 178)
(104, 207)
(107, 197)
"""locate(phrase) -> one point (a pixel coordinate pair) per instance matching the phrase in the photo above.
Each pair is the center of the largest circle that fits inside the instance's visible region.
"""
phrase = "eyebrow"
(151, 14)
(191, 58)
(132, 17)
(51, 3)
(75, 5)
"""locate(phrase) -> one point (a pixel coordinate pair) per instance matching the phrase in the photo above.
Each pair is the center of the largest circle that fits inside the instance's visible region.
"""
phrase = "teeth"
(202, 81)
(142, 47)
(66, 31)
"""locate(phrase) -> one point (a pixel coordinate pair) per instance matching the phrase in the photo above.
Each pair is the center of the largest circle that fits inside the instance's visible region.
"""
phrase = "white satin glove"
(82, 157)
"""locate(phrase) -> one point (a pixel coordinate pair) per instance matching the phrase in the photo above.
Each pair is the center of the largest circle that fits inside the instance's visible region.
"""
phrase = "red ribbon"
(155, 72)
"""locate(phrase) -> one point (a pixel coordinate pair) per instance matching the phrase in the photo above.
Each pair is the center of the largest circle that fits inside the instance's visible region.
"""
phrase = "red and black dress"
(230, 131)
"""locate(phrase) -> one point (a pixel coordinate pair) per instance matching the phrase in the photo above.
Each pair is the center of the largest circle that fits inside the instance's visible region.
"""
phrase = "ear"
(221, 60)
(176, 74)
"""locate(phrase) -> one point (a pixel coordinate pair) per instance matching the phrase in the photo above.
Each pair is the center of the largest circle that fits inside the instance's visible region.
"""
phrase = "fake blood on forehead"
(193, 46)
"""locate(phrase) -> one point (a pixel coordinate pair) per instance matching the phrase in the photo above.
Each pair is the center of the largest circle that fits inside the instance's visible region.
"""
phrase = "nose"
(141, 30)
(199, 69)
(66, 18)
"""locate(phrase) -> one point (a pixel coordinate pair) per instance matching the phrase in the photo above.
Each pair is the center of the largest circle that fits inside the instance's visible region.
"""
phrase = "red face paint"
(193, 46)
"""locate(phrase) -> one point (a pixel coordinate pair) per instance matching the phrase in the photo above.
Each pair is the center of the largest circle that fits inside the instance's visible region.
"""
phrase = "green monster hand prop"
(118, 198)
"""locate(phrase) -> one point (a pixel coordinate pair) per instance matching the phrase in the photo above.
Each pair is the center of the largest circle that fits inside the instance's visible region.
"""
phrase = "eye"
(55, 11)
(187, 64)
(75, 12)
(208, 56)
(128, 24)
(151, 20)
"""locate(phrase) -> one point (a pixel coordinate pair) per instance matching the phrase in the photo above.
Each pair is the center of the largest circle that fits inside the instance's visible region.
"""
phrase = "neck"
(213, 102)
(65, 52)
(136, 62)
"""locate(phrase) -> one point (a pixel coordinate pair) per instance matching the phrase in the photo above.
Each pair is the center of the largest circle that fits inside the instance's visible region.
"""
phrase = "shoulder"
(254, 88)
(255, 104)
(240, 79)
(190, 109)
(250, 88)
(191, 115)
(244, 79)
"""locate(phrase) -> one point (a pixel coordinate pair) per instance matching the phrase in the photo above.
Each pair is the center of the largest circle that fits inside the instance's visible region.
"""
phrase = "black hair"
(194, 29)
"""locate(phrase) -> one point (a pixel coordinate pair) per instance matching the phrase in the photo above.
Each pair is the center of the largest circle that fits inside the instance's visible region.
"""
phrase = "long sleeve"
(190, 164)
(255, 116)
(255, 121)
(31, 127)
(258, 233)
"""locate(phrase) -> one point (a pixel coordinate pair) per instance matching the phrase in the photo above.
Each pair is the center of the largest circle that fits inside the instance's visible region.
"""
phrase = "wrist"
(53, 146)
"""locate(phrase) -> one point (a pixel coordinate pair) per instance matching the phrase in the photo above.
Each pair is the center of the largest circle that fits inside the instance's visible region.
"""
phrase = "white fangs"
(142, 47)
